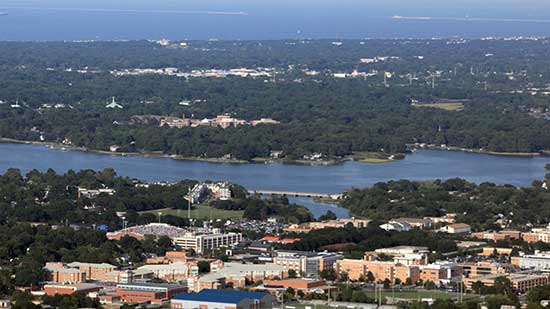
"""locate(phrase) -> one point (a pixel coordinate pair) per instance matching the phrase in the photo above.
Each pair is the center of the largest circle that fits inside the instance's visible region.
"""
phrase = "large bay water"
(268, 19)
(422, 165)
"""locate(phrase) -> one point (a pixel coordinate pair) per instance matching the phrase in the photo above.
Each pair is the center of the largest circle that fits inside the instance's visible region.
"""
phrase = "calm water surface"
(423, 165)
(267, 19)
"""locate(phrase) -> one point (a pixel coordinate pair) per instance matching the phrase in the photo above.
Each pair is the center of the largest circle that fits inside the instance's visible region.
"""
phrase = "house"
(213, 299)
(456, 228)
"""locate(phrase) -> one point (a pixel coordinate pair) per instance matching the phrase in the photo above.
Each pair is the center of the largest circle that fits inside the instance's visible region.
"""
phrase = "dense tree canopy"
(479, 205)
(319, 114)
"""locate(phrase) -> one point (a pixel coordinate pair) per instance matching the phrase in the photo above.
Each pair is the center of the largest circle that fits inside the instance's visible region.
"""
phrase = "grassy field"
(450, 106)
(371, 157)
(203, 212)
(303, 306)
(422, 294)
(262, 160)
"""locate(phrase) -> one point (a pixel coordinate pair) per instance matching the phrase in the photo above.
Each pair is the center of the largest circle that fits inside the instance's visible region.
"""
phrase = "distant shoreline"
(58, 146)
(481, 151)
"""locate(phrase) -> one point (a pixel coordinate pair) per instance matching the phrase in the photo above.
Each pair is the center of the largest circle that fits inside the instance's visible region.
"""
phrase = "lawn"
(203, 212)
(312, 306)
(422, 294)
(371, 157)
(450, 106)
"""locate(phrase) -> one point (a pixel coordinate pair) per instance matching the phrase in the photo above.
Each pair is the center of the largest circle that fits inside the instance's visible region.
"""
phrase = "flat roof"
(220, 296)
(74, 286)
(149, 286)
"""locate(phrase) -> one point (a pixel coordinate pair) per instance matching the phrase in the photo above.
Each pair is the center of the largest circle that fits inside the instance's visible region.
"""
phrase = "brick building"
(58, 273)
(147, 292)
(93, 271)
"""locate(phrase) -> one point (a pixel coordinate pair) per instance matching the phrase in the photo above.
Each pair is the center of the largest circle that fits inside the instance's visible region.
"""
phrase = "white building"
(538, 261)
(396, 226)
(199, 242)
(309, 264)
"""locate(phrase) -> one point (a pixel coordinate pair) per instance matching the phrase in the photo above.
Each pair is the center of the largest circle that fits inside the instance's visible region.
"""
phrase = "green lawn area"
(303, 306)
(422, 294)
(371, 157)
(203, 212)
(451, 106)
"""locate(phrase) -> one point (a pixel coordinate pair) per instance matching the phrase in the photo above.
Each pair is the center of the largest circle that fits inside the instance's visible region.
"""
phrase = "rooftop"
(149, 286)
(458, 225)
(95, 265)
(74, 286)
(219, 296)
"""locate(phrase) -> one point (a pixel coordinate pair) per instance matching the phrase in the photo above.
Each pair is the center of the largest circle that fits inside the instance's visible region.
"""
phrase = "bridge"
(295, 194)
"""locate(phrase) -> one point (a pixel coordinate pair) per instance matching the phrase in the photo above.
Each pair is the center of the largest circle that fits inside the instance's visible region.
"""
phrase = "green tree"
(292, 274)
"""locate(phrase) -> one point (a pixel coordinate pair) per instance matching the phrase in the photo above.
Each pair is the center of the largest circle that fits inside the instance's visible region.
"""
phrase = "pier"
(295, 194)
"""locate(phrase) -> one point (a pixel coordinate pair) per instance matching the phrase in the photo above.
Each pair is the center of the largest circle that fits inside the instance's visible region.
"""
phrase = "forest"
(500, 84)
(53, 198)
(481, 206)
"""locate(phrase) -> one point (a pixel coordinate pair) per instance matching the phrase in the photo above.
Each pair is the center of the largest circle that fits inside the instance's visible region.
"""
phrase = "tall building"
(199, 242)
(308, 264)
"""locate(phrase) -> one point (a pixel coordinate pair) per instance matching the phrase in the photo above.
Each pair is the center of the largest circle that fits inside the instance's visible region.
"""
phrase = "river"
(422, 165)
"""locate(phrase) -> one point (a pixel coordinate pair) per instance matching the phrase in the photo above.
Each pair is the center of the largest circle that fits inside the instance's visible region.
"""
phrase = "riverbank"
(480, 151)
(64, 147)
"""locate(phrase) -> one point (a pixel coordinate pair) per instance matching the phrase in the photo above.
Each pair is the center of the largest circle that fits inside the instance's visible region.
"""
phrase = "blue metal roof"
(220, 296)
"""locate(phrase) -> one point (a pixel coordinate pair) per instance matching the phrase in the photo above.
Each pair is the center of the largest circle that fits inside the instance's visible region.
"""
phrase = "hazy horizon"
(269, 19)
